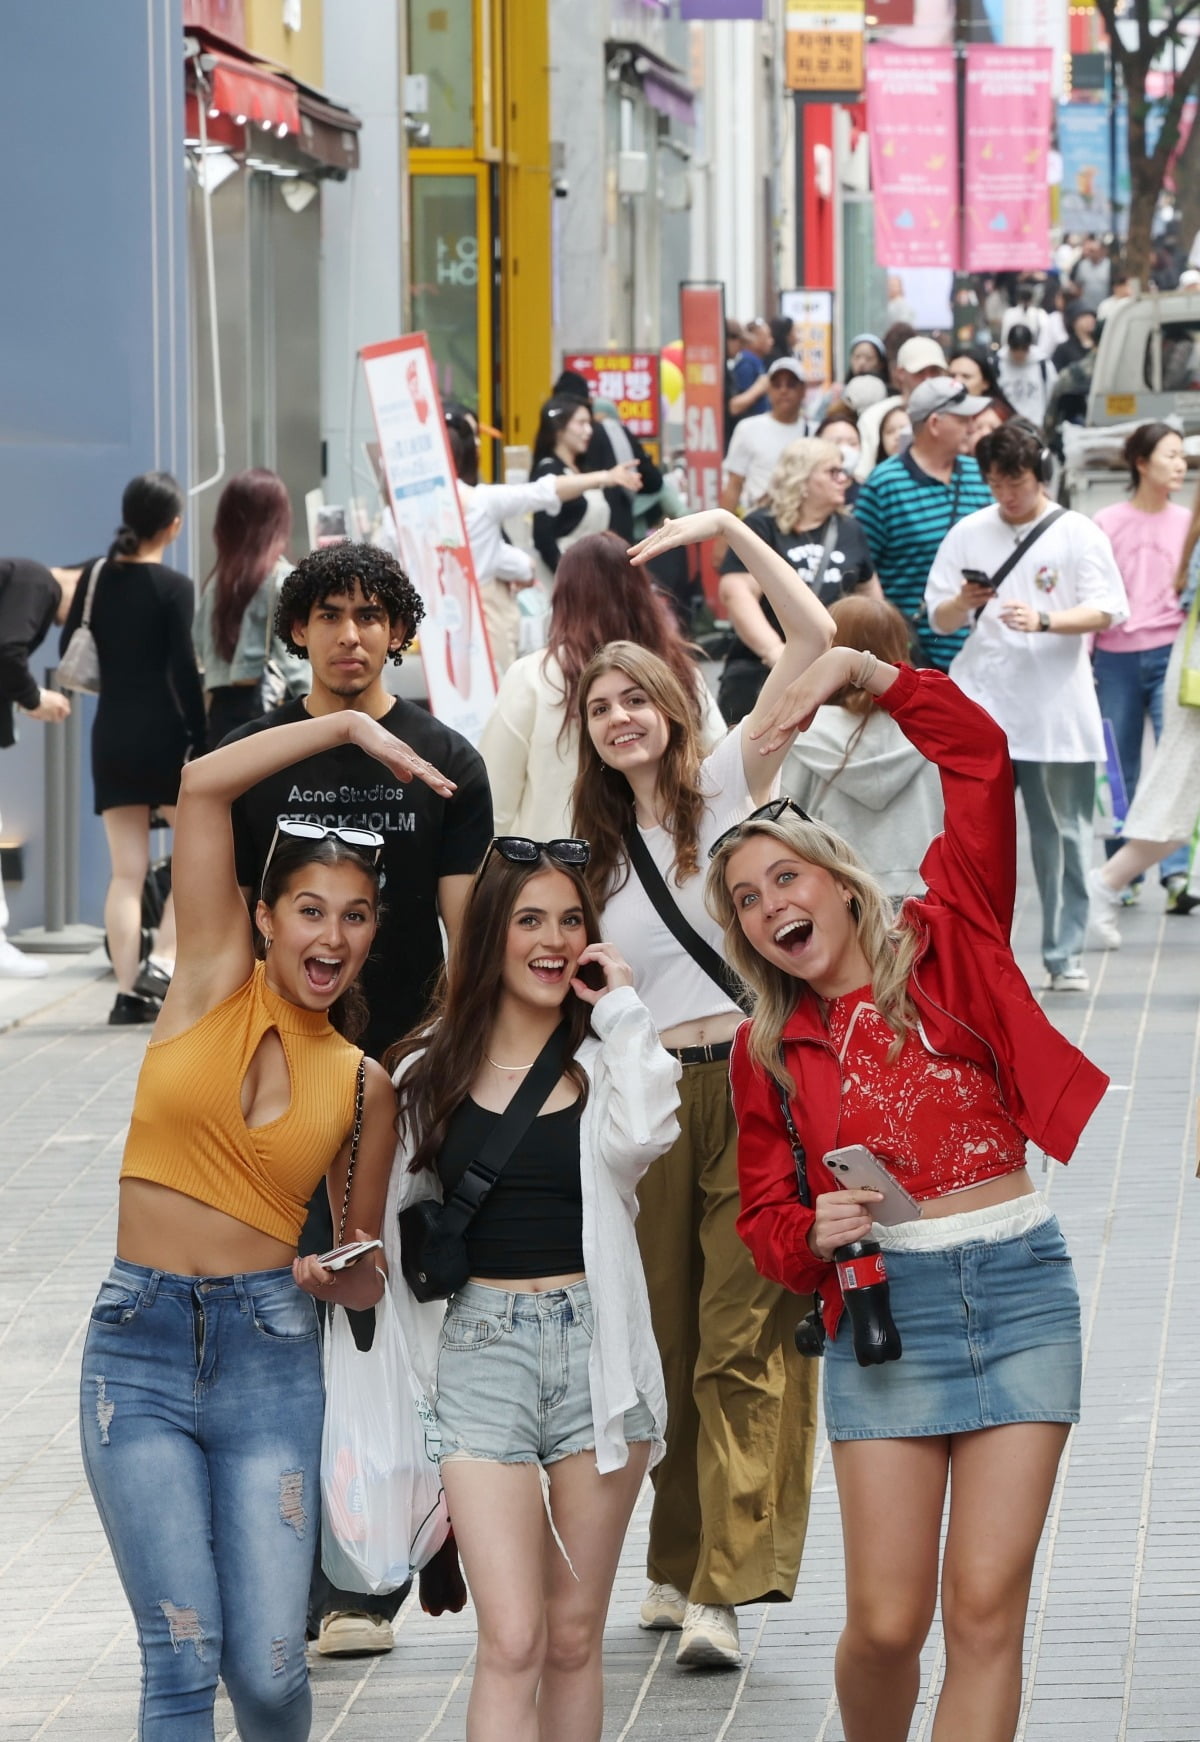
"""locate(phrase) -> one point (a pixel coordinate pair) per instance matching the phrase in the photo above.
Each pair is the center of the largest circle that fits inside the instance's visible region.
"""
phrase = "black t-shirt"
(29, 597)
(531, 1222)
(426, 837)
(848, 567)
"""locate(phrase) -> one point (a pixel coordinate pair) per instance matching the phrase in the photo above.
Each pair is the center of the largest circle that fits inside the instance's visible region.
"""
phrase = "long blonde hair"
(602, 801)
(789, 481)
(890, 949)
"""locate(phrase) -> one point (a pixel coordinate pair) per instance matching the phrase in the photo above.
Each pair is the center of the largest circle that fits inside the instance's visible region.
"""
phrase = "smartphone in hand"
(856, 1168)
(343, 1257)
(979, 578)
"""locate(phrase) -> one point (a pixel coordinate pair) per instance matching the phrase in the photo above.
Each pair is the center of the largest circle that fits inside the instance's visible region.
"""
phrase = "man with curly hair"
(347, 609)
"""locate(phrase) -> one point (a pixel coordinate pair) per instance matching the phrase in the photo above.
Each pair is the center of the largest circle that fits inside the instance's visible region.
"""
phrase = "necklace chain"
(500, 1067)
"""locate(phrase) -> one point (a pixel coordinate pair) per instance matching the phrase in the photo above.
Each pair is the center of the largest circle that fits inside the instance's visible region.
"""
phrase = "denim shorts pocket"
(116, 1304)
(285, 1315)
(585, 1314)
(466, 1328)
(1045, 1244)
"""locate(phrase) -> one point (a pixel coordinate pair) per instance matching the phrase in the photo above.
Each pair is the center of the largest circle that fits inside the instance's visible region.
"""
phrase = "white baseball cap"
(920, 353)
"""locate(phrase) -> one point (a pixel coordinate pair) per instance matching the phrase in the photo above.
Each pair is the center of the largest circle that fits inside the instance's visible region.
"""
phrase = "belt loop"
(510, 1308)
(150, 1292)
(245, 1304)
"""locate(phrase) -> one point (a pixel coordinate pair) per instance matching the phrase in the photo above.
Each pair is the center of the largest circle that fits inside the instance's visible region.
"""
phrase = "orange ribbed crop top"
(188, 1131)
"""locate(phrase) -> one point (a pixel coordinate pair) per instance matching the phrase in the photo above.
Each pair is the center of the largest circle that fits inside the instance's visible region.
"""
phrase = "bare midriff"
(163, 1229)
(702, 1030)
(528, 1284)
(1000, 1190)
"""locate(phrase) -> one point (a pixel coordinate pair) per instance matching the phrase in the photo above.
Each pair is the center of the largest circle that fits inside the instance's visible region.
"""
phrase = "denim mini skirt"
(990, 1334)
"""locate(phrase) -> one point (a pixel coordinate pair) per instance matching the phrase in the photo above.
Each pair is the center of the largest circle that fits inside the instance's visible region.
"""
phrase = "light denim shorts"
(990, 1333)
(512, 1377)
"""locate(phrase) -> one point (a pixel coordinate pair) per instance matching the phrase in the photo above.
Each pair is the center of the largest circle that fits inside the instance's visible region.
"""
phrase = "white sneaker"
(1103, 911)
(1073, 978)
(16, 965)
(710, 1637)
(345, 1633)
(663, 1609)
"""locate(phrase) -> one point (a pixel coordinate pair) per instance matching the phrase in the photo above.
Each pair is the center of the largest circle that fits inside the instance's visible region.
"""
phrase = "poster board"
(629, 379)
(421, 487)
(702, 320)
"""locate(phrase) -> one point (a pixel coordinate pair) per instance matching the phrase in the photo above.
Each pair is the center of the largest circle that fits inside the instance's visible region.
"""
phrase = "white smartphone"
(855, 1167)
(342, 1257)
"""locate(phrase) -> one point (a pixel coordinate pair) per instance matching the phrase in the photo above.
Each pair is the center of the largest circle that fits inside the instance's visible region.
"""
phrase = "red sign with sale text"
(702, 320)
(629, 379)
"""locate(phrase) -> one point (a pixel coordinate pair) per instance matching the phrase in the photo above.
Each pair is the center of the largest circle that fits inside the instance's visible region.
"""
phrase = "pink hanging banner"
(1009, 105)
(912, 126)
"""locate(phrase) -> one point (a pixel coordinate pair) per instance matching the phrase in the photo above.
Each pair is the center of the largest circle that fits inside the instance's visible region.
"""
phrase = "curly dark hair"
(332, 571)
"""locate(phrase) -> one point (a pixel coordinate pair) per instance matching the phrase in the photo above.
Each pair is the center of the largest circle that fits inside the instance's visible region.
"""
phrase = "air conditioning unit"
(633, 172)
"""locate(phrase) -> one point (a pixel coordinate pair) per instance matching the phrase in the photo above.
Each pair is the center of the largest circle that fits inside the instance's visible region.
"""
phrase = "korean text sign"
(912, 120)
(702, 321)
(430, 532)
(1007, 145)
(629, 379)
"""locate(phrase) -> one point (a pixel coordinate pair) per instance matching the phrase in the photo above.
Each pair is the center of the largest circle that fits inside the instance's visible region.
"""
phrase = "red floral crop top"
(938, 1122)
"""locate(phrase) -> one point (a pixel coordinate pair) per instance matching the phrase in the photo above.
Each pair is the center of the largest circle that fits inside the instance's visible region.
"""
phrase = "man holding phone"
(1031, 582)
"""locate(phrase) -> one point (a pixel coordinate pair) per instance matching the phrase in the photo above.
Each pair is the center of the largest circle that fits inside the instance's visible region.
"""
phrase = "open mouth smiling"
(793, 936)
(322, 972)
(548, 969)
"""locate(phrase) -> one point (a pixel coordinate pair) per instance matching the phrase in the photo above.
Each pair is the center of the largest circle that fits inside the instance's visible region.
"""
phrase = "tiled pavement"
(1113, 1627)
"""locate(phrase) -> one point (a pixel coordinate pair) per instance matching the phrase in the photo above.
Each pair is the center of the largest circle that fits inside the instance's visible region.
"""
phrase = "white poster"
(415, 456)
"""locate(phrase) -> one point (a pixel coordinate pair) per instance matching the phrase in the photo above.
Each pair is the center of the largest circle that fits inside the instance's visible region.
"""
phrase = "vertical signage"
(702, 320)
(811, 314)
(1007, 143)
(421, 484)
(823, 48)
(912, 120)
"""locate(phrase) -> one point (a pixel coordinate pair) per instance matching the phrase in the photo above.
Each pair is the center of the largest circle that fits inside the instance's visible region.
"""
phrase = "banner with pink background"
(1007, 141)
(912, 125)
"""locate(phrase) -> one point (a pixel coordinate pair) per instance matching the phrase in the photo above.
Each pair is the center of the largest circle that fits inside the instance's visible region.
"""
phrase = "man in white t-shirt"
(1026, 662)
(759, 441)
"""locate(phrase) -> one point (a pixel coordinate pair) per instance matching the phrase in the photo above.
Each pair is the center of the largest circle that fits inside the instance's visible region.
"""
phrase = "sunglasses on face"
(368, 842)
(766, 813)
(519, 850)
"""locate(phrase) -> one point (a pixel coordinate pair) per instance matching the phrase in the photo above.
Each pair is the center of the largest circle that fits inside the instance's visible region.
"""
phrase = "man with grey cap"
(910, 502)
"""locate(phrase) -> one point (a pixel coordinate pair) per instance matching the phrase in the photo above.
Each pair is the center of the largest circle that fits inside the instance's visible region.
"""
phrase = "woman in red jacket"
(918, 1038)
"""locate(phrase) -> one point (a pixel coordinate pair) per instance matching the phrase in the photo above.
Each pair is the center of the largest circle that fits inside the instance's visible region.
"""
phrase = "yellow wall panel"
(521, 31)
(298, 50)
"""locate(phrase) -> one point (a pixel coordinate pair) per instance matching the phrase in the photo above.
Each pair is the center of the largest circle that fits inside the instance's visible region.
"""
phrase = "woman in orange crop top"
(918, 1038)
(201, 1394)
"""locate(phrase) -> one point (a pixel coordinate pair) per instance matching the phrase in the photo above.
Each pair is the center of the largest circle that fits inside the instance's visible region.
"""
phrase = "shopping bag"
(383, 1512)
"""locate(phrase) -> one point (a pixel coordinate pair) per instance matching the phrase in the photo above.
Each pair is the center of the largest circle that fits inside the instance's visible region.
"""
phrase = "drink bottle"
(863, 1277)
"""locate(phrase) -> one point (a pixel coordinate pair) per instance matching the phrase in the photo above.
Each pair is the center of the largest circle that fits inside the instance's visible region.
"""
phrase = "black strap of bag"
(1030, 538)
(828, 546)
(667, 908)
(799, 1154)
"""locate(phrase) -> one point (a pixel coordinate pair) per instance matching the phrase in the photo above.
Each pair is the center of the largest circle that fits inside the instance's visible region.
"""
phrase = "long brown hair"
(600, 597)
(602, 801)
(870, 626)
(450, 1044)
(1189, 545)
(253, 518)
(890, 948)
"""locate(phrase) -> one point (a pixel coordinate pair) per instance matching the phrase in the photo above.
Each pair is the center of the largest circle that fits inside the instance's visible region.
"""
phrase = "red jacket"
(971, 998)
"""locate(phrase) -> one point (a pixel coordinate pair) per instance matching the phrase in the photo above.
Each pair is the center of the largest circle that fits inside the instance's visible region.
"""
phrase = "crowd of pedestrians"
(389, 954)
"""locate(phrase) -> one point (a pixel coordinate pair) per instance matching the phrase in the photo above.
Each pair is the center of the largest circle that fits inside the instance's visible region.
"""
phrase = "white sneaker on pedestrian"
(16, 965)
(346, 1633)
(710, 1637)
(1104, 907)
(663, 1609)
(1073, 978)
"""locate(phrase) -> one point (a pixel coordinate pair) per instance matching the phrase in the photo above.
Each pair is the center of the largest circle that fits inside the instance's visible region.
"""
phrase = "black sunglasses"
(520, 850)
(368, 842)
(766, 813)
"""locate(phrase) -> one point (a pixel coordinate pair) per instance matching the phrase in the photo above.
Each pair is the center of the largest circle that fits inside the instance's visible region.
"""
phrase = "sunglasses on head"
(520, 850)
(368, 842)
(766, 813)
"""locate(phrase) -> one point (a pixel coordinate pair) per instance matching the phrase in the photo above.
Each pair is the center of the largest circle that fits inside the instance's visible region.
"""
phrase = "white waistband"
(1004, 1221)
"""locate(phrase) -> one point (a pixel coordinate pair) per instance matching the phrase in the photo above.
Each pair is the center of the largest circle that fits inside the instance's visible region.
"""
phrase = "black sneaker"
(130, 1008)
(152, 981)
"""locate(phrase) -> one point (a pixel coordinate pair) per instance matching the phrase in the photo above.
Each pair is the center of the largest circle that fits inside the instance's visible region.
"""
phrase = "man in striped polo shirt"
(910, 502)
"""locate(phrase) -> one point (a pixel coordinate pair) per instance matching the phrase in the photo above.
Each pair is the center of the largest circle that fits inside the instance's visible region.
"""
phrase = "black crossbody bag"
(433, 1248)
(1031, 537)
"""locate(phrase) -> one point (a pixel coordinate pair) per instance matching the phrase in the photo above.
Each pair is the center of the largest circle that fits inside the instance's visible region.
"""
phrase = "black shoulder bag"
(433, 1250)
(685, 934)
(1031, 537)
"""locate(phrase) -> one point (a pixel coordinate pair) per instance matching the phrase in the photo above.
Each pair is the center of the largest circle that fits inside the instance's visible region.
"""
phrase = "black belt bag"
(433, 1247)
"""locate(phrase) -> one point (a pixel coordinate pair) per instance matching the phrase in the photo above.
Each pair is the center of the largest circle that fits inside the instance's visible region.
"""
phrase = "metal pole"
(54, 798)
(72, 799)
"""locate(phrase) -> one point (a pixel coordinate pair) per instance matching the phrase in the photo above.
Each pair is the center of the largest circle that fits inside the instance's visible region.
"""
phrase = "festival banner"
(432, 539)
(702, 321)
(912, 126)
(1007, 143)
(629, 379)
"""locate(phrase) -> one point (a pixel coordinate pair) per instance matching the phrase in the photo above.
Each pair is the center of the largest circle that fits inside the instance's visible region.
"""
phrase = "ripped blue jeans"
(201, 1402)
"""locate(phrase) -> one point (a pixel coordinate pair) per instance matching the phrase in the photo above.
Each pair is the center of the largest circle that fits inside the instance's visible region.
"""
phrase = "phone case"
(856, 1168)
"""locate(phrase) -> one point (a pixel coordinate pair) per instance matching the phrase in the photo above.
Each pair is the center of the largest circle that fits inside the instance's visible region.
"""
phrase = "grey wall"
(93, 362)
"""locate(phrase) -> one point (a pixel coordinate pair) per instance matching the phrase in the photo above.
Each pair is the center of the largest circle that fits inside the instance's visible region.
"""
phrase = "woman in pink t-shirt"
(1147, 534)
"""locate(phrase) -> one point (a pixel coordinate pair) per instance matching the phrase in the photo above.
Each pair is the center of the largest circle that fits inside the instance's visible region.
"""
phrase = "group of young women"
(614, 1319)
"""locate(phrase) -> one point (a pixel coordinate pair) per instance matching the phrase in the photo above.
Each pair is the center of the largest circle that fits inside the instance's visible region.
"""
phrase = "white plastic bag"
(383, 1512)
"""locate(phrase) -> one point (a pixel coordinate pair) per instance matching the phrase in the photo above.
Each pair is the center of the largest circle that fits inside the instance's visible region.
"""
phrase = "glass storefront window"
(441, 48)
(445, 279)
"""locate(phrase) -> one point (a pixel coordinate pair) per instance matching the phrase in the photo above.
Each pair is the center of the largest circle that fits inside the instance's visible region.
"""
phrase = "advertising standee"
(432, 539)
(702, 320)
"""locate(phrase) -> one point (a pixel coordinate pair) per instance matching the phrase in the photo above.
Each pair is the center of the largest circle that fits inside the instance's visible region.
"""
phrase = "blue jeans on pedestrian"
(1130, 688)
(201, 1403)
(1060, 802)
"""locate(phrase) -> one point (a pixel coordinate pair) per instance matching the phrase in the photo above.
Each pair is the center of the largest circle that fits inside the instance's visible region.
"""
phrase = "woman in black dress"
(149, 719)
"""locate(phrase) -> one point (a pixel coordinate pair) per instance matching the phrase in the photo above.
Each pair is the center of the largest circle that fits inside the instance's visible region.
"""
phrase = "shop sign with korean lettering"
(629, 379)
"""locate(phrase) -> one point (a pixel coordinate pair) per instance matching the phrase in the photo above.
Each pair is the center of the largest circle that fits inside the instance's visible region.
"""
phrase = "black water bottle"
(863, 1278)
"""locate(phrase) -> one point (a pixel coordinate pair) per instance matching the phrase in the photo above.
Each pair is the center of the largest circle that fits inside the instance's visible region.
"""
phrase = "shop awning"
(663, 84)
(249, 94)
(252, 108)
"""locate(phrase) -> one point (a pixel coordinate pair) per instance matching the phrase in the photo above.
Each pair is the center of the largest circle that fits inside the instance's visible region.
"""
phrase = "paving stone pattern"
(1111, 1644)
